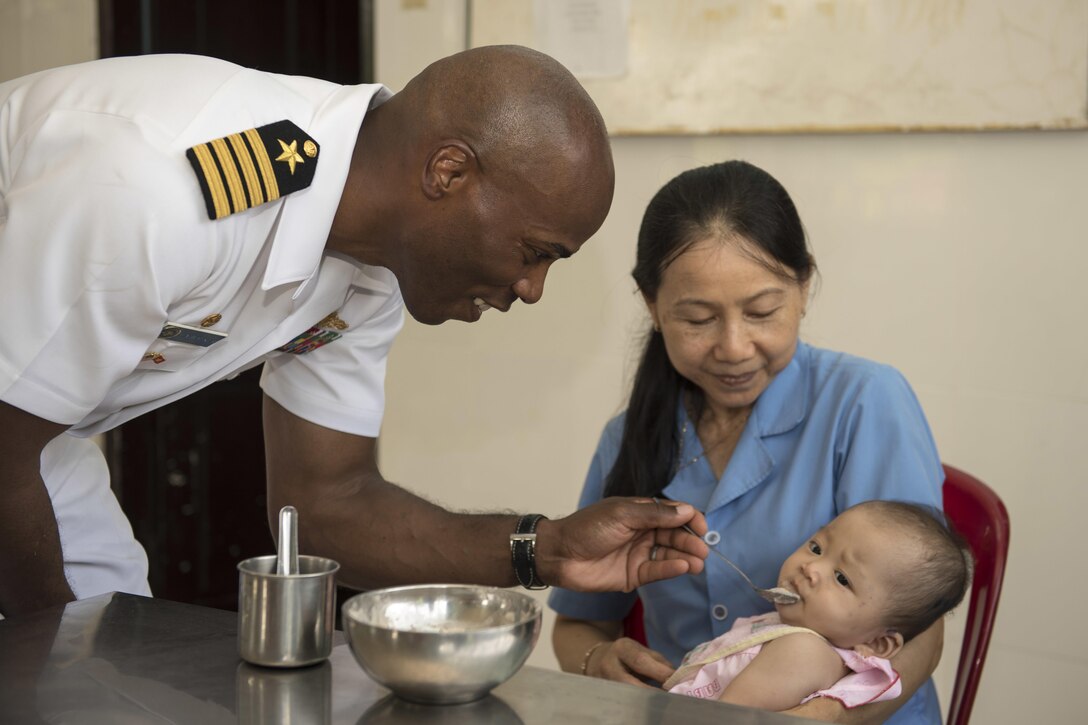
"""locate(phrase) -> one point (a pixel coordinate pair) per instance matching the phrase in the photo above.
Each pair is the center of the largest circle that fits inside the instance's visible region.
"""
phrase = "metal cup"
(286, 620)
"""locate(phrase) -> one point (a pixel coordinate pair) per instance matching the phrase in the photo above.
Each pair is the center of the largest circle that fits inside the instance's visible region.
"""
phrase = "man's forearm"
(383, 535)
(380, 534)
(31, 563)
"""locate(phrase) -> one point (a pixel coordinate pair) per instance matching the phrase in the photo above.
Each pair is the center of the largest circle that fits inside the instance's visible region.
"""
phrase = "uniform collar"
(779, 409)
(306, 216)
(365, 276)
(784, 404)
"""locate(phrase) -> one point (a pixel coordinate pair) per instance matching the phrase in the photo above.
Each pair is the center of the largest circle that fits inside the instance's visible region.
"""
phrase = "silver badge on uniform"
(177, 332)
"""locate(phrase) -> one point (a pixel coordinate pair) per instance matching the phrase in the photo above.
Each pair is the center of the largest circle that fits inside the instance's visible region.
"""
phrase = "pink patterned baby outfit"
(709, 668)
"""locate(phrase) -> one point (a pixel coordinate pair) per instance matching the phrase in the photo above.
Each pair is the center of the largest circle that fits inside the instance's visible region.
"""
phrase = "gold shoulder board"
(253, 167)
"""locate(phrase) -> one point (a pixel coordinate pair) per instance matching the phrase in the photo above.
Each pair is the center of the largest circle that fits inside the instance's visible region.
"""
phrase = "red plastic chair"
(980, 517)
(634, 624)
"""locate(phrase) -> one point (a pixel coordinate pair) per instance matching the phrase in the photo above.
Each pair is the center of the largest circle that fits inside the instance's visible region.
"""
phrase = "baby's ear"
(886, 645)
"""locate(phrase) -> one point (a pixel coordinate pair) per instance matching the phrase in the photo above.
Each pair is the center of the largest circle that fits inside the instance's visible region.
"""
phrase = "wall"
(957, 257)
(37, 34)
(764, 66)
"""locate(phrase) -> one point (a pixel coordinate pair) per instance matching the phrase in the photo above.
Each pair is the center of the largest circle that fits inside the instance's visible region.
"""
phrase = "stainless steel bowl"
(441, 643)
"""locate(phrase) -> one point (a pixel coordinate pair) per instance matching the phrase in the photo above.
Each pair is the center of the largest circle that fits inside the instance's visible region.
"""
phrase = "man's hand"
(619, 544)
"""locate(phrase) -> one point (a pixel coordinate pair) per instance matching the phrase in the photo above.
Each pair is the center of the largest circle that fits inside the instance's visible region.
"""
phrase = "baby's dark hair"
(938, 580)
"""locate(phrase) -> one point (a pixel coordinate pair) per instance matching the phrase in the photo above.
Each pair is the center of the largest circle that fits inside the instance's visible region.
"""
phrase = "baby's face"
(843, 576)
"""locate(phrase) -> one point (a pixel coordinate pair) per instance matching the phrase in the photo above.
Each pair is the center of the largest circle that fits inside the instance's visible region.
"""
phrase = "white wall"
(37, 34)
(958, 258)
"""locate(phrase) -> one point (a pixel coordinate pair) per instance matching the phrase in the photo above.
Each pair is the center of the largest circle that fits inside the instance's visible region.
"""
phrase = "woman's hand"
(599, 649)
(625, 660)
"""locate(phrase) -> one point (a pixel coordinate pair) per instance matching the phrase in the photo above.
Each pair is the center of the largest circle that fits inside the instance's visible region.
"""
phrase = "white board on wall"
(723, 66)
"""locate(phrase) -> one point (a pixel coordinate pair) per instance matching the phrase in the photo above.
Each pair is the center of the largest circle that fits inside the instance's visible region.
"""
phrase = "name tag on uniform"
(177, 332)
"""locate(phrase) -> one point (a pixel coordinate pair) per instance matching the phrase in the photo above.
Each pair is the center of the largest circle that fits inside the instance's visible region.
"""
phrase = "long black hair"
(725, 200)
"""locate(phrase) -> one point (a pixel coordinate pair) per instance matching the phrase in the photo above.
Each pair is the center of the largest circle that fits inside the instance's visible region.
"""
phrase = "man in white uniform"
(170, 221)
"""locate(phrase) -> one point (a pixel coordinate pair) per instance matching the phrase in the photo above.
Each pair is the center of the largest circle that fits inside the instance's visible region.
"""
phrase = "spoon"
(287, 546)
(776, 595)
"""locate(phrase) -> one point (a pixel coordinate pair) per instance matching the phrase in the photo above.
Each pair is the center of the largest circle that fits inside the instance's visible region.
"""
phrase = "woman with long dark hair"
(731, 412)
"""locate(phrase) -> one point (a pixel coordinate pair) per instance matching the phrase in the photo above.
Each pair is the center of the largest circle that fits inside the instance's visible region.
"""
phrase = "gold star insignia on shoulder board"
(238, 172)
(290, 155)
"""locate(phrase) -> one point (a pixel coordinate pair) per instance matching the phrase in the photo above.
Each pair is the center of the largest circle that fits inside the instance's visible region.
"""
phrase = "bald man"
(170, 221)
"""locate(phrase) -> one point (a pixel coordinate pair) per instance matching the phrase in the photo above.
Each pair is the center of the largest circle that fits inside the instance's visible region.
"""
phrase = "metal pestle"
(287, 549)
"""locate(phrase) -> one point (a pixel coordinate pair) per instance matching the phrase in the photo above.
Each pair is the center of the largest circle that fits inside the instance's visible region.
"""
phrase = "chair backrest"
(979, 515)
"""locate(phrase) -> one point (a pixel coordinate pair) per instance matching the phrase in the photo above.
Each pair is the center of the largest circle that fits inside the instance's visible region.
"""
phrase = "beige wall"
(958, 258)
(37, 34)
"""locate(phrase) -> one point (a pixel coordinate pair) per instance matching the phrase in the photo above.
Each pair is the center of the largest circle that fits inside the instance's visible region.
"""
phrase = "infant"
(879, 574)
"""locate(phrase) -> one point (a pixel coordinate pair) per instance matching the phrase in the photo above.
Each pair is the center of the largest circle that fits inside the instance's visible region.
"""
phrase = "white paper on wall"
(707, 66)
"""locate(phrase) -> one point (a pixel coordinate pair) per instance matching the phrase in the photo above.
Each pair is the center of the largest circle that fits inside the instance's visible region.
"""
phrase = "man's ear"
(885, 645)
(447, 168)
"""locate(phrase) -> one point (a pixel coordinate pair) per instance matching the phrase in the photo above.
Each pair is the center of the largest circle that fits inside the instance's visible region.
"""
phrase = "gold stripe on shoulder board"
(253, 167)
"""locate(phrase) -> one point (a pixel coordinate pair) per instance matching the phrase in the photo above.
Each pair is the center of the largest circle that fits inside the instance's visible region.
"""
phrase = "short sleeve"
(341, 385)
(884, 447)
(872, 680)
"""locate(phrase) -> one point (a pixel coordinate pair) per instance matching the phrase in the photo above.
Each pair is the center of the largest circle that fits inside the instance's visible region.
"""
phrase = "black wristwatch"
(523, 552)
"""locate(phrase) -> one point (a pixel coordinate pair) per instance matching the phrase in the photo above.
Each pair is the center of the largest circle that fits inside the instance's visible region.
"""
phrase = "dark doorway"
(329, 39)
(190, 475)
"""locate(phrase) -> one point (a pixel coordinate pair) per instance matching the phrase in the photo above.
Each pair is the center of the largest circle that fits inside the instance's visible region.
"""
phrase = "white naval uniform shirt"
(104, 237)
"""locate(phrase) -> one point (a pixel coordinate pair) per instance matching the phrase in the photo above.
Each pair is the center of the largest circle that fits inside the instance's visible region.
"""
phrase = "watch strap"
(523, 552)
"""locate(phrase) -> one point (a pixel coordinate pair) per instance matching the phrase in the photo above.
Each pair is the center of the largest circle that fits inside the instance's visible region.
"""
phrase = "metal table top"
(120, 658)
